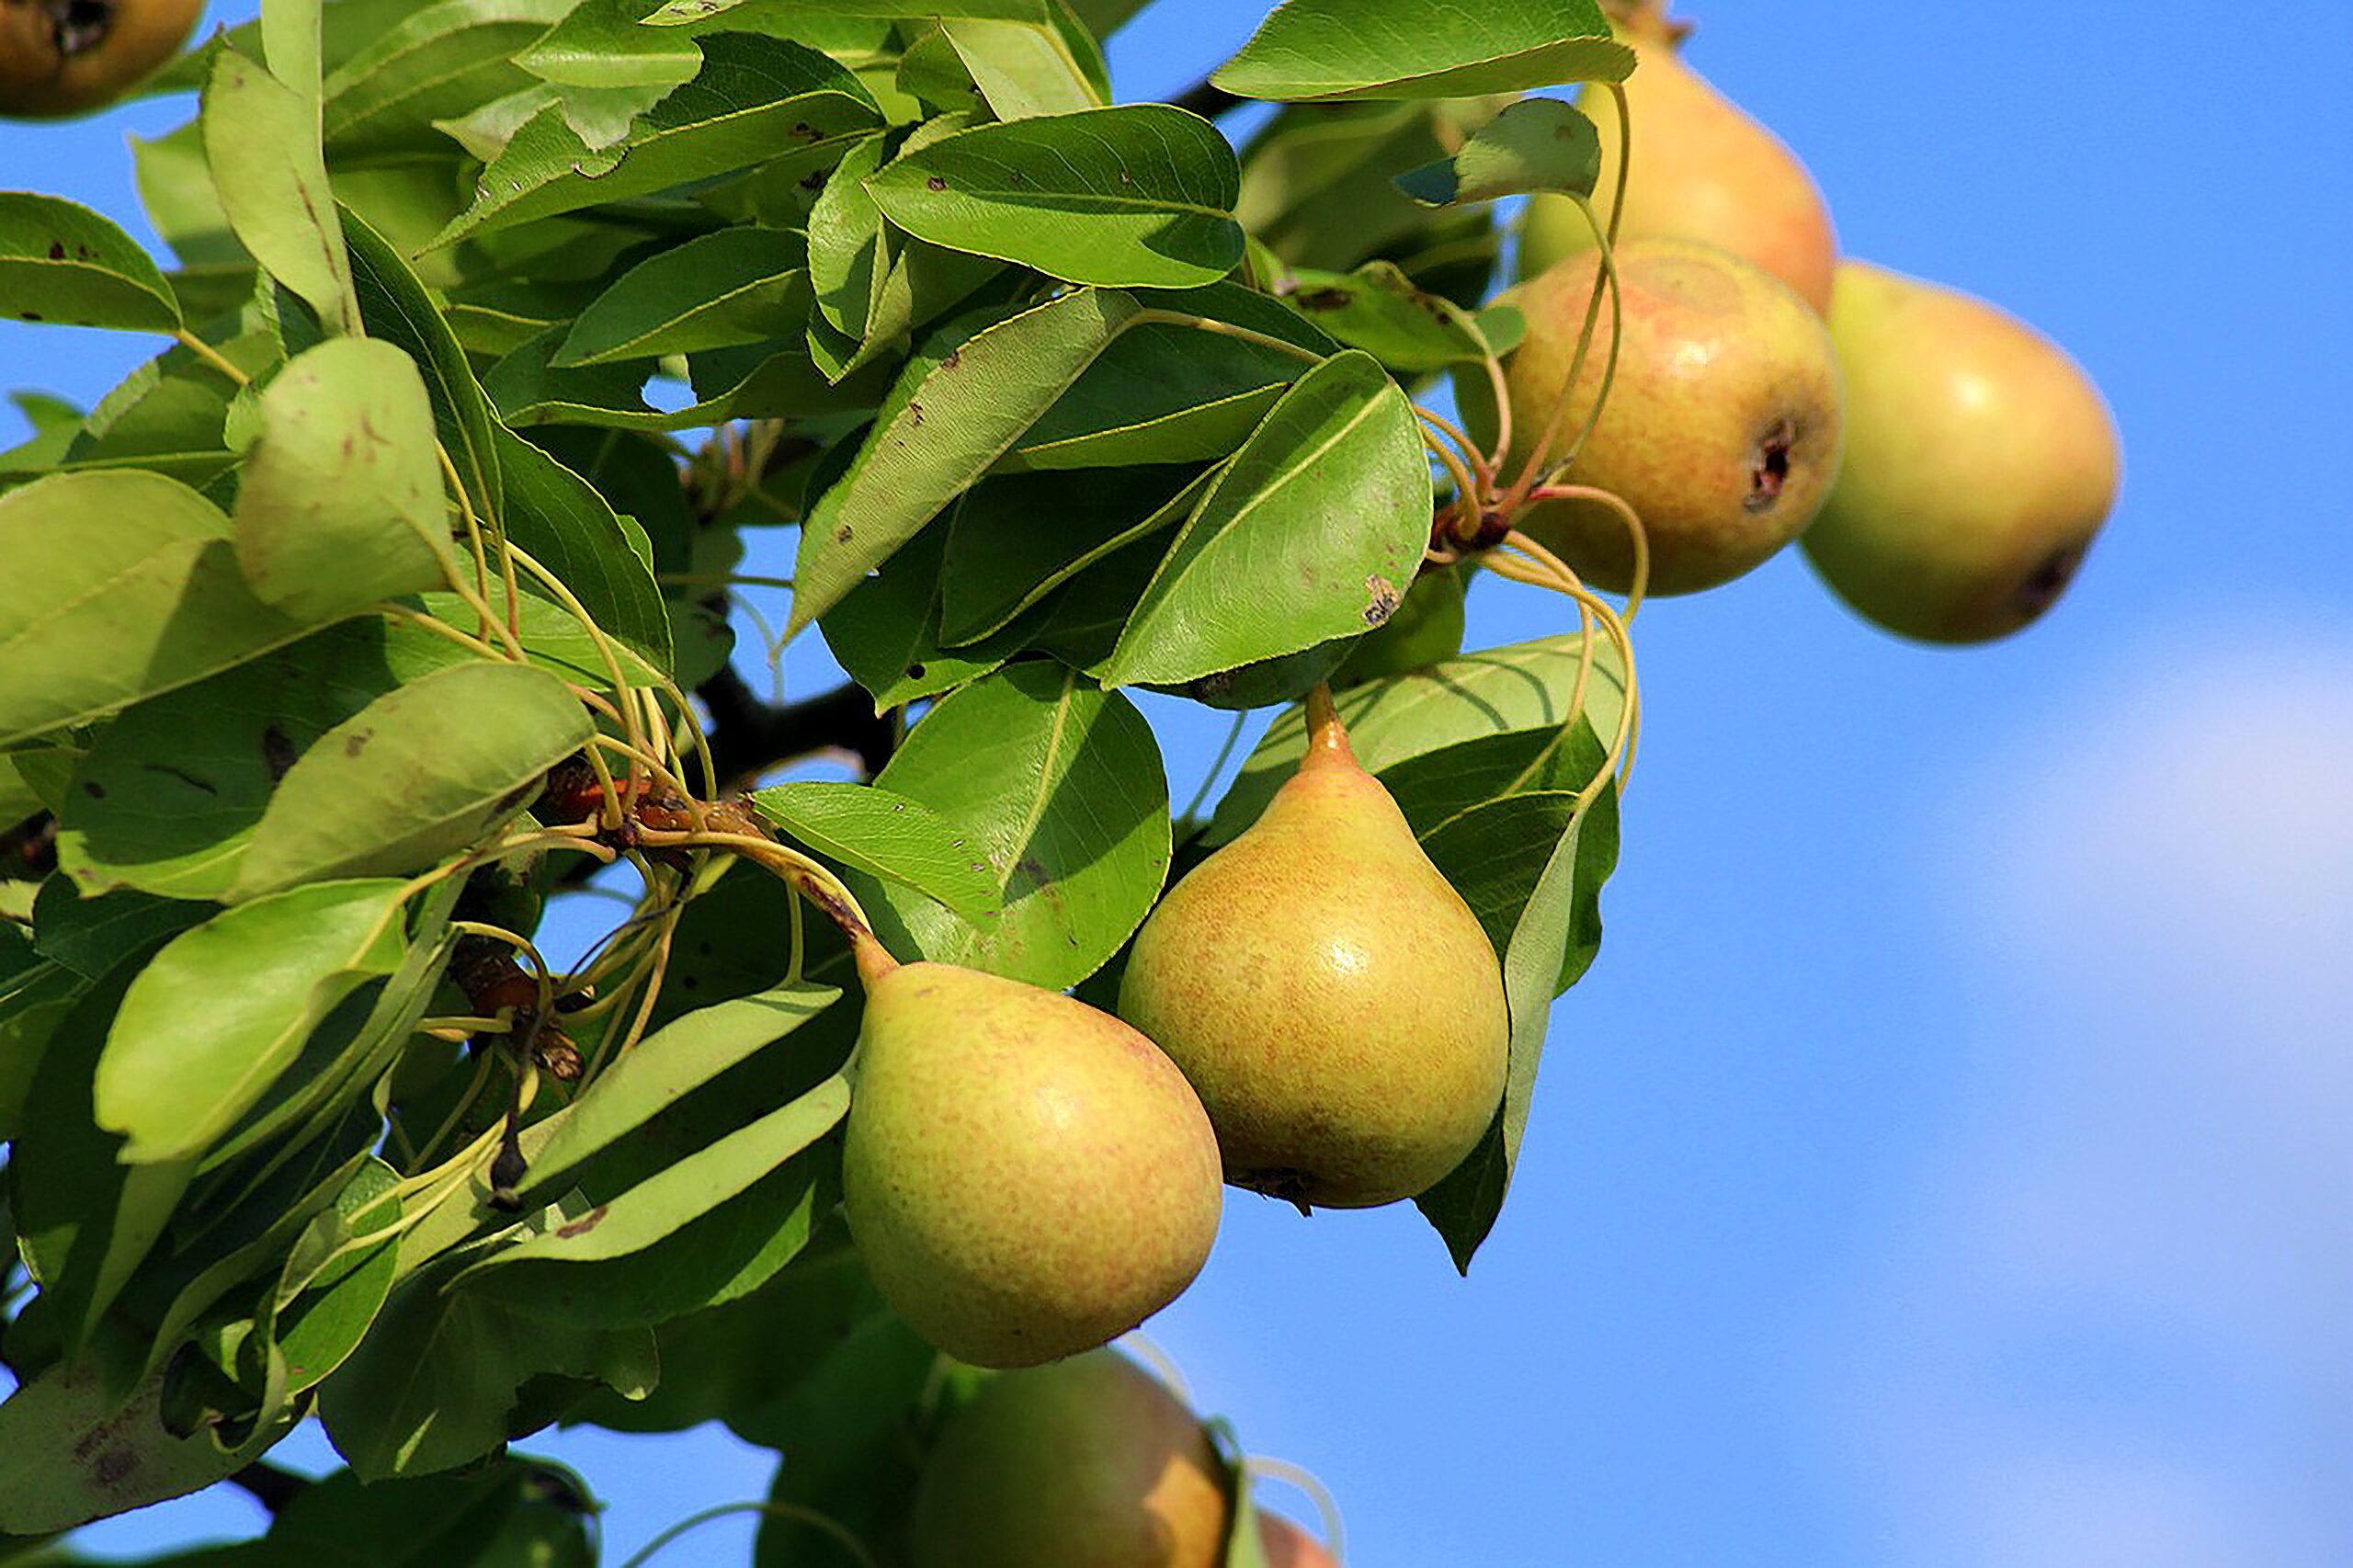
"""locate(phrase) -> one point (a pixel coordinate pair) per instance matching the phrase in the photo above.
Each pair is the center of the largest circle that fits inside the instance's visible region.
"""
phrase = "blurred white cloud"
(2112, 1321)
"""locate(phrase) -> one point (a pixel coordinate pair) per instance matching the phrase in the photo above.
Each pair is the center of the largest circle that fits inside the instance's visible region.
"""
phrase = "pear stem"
(1327, 738)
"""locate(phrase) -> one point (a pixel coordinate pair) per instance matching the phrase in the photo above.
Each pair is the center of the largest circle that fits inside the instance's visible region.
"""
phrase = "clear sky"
(1947, 1160)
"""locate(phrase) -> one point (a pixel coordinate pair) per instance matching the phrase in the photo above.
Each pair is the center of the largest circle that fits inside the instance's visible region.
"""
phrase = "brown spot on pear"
(62, 57)
(1088, 1463)
(1704, 169)
(1981, 462)
(1723, 424)
(1333, 999)
(1024, 1175)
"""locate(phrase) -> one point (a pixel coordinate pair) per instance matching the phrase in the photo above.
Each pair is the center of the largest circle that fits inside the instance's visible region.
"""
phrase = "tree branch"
(1208, 100)
(271, 1488)
(748, 735)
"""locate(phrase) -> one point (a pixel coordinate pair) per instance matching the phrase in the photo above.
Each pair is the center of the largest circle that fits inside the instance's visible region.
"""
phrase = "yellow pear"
(1980, 462)
(60, 57)
(1024, 1175)
(1335, 1002)
(1702, 169)
(1723, 424)
(1088, 1463)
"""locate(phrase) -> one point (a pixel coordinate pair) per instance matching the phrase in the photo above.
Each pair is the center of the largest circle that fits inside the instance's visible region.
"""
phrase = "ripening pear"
(60, 57)
(1288, 1546)
(1088, 1463)
(1024, 1175)
(1723, 424)
(1331, 997)
(1980, 462)
(1702, 169)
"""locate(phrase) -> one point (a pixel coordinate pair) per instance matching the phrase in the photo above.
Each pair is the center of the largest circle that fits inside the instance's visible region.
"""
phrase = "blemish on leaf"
(356, 743)
(935, 182)
(277, 753)
(585, 1223)
(115, 1465)
(183, 774)
(841, 535)
(1383, 601)
(1323, 300)
(56, 251)
(93, 788)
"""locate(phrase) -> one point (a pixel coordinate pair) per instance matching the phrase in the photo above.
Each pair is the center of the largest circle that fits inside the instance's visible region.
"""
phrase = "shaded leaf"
(740, 285)
(566, 524)
(423, 771)
(340, 502)
(1539, 144)
(216, 1015)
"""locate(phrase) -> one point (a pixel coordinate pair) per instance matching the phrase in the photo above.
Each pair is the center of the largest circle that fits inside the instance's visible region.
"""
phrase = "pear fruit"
(1024, 1175)
(1980, 462)
(1088, 1463)
(61, 57)
(1333, 999)
(1704, 169)
(1288, 1546)
(1723, 424)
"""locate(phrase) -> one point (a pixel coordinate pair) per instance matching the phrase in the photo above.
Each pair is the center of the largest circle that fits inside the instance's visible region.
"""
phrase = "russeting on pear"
(1704, 169)
(1723, 424)
(1088, 1463)
(1024, 1175)
(1331, 997)
(1980, 462)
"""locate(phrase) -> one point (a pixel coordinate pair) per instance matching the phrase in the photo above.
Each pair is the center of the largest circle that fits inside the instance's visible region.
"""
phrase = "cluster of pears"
(1943, 467)
(1089, 1463)
(61, 57)
(1312, 1013)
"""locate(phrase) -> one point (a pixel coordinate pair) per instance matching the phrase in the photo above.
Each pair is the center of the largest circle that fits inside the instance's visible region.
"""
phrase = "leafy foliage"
(383, 609)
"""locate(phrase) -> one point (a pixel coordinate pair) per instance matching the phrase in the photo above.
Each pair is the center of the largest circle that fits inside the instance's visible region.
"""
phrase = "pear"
(1702, 169)
(1723, 424)
(1288, 1546)
(1088, 1463)
(1333, 999)
(1024, 1175)
(1980, 462)
(61, 57)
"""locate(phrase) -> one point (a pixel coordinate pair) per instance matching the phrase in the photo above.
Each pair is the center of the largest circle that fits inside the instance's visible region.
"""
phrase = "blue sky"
(1945, 1163)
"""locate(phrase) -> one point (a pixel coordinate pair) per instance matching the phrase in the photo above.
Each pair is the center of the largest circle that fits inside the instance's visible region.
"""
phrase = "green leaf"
(1166, 391)
(662, 1069)
(60, 262)
(340, 503)
(1557, 923)
(515, 1513)
(740, 285)
(1029, 68)
(77, 1454)
(434, 1384)
(1316, 181)
(684, 1191)
(1378, 309)
(755, 102)
(945, 424)
(566, 524)
(90, 935)
(431, 64)
(1318, 50)
(846, 250)
(1060, 785)
(121, 585)
(885, 634)
(261, 138)
(1142, 194)
(216, 1015)
(1015, 539)
(1528, 688)
(423, 772)
(887, 835)
(395, 307)
(1539, 144)
(1330, 498)
(324, 1316)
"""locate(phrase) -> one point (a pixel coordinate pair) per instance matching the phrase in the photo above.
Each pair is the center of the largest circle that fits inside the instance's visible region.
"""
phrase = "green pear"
(1088, 1463)
(1704, 169)
(1723, 424)
(1333, 999)
(1024, 1175)
(1980, 462)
